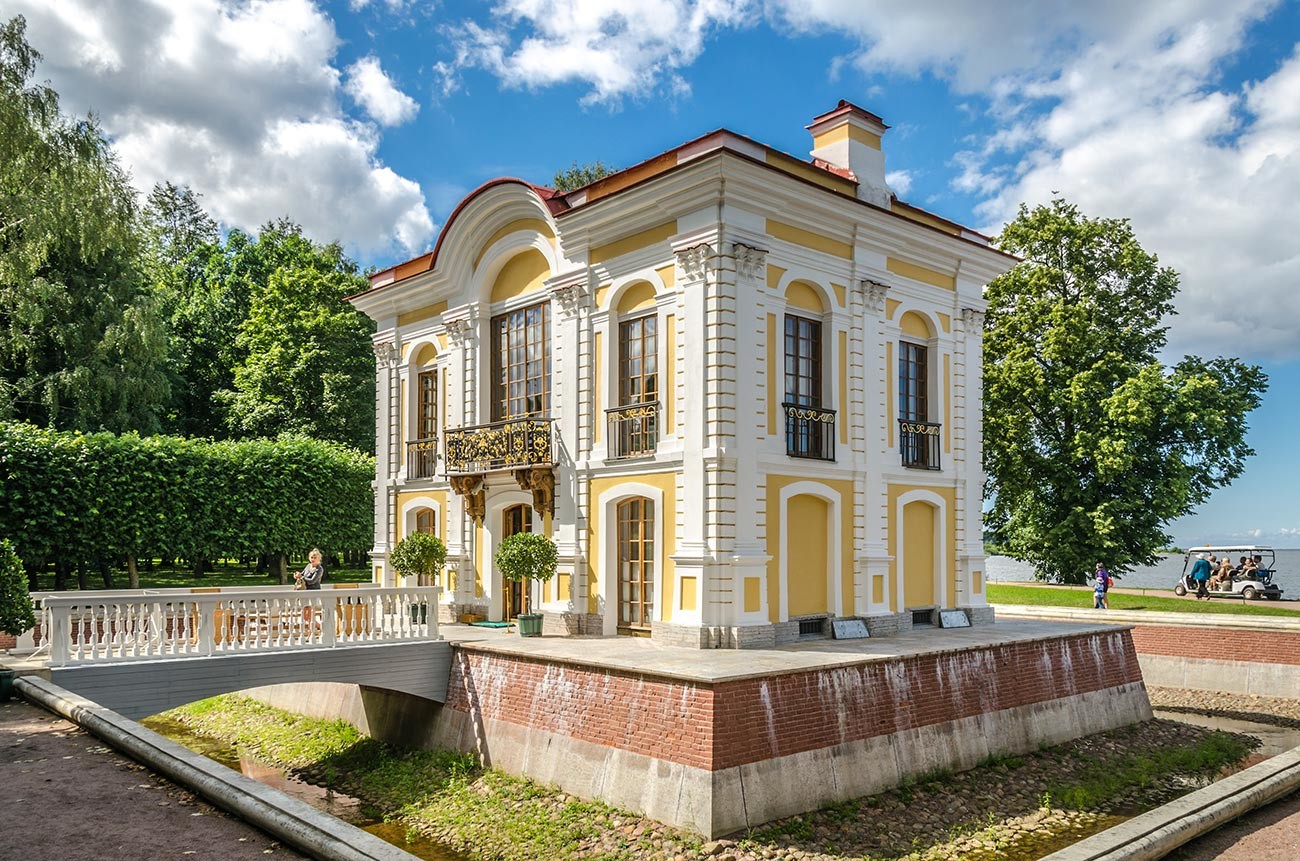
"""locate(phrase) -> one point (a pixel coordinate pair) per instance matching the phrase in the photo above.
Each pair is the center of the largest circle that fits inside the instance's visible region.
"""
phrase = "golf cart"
(1247, 584)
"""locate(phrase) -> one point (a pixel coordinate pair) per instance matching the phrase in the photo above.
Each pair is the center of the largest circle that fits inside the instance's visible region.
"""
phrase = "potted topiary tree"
(521, 558)
(419, 555)
(16, 615)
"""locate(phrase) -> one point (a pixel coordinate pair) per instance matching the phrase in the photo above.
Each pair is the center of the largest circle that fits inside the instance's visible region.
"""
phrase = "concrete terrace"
(643, 655)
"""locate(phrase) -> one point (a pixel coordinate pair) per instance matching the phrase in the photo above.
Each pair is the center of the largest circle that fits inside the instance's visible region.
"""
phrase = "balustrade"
(809, 432)
(422, 458)
(919, 443)
(84, 628)
(633, 429)
(510, 444)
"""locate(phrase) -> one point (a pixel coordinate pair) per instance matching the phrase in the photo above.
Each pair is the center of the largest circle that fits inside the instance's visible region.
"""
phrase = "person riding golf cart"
(1250, 577)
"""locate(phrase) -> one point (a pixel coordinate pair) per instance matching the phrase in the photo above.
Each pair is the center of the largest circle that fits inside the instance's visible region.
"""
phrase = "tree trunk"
(34, 578)
(132, 572)
(105, 573)
(61, 571)
(263, 565)
(282, 567)
(82, 583)
(200, 565)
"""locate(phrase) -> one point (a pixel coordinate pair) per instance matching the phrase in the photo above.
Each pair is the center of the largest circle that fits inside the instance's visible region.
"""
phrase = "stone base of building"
(717, 754)
(571, 624)
(981, 615)
(782, 633)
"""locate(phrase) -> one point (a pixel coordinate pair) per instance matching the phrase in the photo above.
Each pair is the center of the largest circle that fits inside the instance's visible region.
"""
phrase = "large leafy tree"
(305, 364)
(81, 343)
(1092, 444)
(577, 175)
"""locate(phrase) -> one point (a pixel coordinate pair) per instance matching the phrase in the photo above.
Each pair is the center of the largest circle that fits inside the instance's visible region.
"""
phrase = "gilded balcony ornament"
(501, 445)
(810, 414)
(921, 428)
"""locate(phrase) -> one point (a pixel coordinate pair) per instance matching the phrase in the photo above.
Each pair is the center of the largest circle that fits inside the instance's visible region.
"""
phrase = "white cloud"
(238, 100)
(618, 48)
(900, 181)
(375, 91)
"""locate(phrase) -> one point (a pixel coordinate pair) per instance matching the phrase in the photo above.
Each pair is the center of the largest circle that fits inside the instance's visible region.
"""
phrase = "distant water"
(1163, 575)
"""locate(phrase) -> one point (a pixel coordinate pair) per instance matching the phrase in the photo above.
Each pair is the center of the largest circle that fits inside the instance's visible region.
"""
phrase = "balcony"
(633, 430)
(919, 443)
(422, 457)
(511, 444)
(809, 432)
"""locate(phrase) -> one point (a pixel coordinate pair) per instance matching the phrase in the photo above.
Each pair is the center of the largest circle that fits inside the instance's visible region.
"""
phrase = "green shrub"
(527, 556)
(16, 615)
(419, 555)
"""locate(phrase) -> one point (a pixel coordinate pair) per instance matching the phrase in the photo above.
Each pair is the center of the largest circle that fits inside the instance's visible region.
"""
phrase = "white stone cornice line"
(751, 262)
(697, 261)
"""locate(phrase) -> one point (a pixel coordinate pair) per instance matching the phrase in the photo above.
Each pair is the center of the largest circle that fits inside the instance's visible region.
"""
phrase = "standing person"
(314, 573)
(1099, 590)
(1104, 581)
(1201, 573)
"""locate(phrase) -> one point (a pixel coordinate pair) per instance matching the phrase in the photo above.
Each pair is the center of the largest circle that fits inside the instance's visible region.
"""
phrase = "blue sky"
(368, 120)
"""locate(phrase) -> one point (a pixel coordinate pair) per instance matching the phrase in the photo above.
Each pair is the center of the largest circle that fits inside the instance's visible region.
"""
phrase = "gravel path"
(67, 796)
(1270, 710)
(1269, 834)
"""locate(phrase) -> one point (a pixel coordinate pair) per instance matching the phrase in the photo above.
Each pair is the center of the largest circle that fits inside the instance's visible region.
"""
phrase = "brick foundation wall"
(715, 727)
(1224, 644)
(7, 641)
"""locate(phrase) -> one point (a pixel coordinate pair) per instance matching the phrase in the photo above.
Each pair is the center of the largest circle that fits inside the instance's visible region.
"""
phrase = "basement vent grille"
(922, 617)
(812, 627)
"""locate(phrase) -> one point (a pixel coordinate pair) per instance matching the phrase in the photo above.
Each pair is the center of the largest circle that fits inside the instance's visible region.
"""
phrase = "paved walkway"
(1271, 833)
(66, 796)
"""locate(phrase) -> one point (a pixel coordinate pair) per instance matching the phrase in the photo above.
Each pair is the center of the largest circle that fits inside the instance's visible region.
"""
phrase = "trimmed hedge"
(73, 498)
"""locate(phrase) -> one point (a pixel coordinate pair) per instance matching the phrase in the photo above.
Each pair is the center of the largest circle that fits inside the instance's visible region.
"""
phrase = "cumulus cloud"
(618, 48)
(375, 91)
(900, 181)
(238, 100)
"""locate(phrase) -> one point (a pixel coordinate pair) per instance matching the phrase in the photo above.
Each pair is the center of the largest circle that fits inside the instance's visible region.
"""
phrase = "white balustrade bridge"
(140, 652)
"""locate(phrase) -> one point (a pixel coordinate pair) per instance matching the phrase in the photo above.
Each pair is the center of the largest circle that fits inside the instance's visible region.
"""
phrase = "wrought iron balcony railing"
(633, 429)
(920, 444)
(809, 432)
(510, 444)
(422, 457)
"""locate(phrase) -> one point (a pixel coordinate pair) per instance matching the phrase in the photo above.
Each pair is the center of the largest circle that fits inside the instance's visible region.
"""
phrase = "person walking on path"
(1102, 589)
(1201, 573)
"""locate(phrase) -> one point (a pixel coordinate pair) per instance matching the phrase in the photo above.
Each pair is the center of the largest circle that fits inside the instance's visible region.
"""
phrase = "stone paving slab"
(710, 666)
(68, 796)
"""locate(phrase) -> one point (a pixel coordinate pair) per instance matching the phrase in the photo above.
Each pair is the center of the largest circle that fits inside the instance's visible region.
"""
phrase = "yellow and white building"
(741, 391)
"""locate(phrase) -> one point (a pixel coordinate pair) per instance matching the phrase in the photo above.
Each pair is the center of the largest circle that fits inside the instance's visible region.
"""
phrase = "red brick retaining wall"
(1222, 644)
(7, 641)
(720, 726)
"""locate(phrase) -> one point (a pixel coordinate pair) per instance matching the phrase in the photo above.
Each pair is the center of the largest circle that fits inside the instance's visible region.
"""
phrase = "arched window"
(634, 423)
(636, 562)
(425, 521)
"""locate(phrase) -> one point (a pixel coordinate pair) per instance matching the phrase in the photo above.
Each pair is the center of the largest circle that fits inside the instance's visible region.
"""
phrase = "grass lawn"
(183, 578)
(1056, 596)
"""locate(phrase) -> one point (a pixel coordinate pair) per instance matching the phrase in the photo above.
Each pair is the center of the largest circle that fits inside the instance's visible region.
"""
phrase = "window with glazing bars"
(427, 393)
(638, 361)
(636, 562)
(521, 363)
(803, 361)
(913, 383)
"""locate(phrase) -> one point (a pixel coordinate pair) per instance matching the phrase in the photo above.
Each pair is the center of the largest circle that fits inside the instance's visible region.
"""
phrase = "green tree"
(16, 613)
(81, 343)
(577, 175)
(305, 361)
(527, 556)
(419, 555)
(1091, 444)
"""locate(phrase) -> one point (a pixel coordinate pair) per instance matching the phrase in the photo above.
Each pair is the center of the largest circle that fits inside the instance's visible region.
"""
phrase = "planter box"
(530, 624)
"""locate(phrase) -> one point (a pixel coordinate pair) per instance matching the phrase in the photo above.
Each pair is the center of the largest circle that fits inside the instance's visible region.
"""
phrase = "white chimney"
(848, 138)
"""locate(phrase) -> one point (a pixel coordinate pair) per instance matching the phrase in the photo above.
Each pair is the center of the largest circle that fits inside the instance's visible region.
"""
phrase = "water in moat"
(345, 807)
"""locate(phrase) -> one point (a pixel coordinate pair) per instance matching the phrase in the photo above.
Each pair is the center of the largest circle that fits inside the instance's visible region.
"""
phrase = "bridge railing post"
(329, 617)
(60, 635)
(207, 628)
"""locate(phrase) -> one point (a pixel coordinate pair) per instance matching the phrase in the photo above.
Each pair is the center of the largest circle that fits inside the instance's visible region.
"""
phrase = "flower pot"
(7, 684)
(530, 624)
(419, 614)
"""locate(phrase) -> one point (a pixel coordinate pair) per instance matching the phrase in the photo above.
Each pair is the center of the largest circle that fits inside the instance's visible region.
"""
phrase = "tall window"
(521, 363)
(636, 562)
(426, 385)
(803, 361)
(424, 521)
(913, 382)
(638, 361)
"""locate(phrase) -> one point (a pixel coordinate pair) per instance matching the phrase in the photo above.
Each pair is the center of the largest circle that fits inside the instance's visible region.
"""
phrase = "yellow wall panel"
(845, 132)
(895, 530)
(915, 325)
(535, 225)
(918, 554)
(840, 292)
(809, 556)
(774, 274)
(809, 239)
(524, 273)
(891, 305)
(637, 297)
(801, 294)
(753, 594)
(668, 275)
(920, 273)
(421, 314)
(775, 483)
(635, 242)
(689, 590)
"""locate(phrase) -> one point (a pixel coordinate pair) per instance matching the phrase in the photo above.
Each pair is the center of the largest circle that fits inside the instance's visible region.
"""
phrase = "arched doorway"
(636, 565)
(515, 518)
